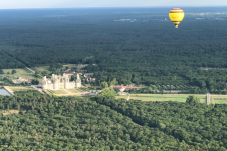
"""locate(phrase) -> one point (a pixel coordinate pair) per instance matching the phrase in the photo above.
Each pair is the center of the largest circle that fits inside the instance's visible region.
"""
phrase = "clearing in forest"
(164, 97)
(7, 112)
(42, 68)
(69, 65)
(24, 73)
(218, 99)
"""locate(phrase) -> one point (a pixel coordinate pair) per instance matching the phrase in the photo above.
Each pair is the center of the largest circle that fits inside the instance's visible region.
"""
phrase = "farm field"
(160, 97)
(218, 99)
(20, 73)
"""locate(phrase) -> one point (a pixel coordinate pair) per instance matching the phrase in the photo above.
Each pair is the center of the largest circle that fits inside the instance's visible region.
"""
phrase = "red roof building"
(68, 70)
(71, 73)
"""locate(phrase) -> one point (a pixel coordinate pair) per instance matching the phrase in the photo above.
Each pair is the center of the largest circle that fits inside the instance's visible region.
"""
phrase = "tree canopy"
(193, 99)
(47, 122)
(108, 92)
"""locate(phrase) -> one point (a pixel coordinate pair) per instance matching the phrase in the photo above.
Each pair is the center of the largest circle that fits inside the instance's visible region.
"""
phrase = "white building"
(60, 82)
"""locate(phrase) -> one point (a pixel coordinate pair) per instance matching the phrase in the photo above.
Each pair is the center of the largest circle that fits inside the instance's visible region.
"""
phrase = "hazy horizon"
(27, 4)
(114, 7)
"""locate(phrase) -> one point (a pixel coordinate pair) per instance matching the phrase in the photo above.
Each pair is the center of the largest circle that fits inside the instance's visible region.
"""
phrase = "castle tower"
(52, 78)
(44, 83)
(66, 81)
(78, 81)
(55, 81)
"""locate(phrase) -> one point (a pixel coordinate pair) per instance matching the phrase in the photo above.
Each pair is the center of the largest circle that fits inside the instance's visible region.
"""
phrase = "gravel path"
(208, 96)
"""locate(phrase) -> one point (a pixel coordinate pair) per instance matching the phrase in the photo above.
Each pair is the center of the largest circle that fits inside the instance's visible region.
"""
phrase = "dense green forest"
(47, 122)
(9, 62)
(199, 125)
(146, 49)
(71, 123)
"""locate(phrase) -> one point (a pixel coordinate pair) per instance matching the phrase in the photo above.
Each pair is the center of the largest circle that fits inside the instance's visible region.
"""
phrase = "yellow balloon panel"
(176, 16)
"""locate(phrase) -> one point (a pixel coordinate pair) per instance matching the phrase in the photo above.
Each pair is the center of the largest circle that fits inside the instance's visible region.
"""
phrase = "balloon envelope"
(176, 15)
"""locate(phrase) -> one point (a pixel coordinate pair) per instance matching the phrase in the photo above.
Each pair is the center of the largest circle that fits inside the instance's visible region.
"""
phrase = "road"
(80, 67)
(128, 97)
(30, 70)
(35, 87)
(208, 96)
(33, 71)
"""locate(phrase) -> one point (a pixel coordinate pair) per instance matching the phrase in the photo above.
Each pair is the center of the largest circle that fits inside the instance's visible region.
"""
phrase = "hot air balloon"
(176, 15)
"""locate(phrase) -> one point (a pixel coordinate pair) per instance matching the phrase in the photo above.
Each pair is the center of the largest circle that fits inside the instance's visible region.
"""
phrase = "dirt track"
(208, 96)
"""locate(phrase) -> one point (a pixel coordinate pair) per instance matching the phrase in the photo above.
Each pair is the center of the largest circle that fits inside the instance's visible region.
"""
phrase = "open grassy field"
(58, 91)
(74, 90)
(43, 68)
(69, 65)
(46, 68)
(218, 99)
(160, 97)
(21, 88)
(20, 73)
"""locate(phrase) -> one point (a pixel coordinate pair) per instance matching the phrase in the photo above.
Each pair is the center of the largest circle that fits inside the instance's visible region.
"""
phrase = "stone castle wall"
(60, 82)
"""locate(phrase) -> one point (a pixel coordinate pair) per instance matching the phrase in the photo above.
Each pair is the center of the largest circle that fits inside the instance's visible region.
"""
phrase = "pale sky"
(14, 4)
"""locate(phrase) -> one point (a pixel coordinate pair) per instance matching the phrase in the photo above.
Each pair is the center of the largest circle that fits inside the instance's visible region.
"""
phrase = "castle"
(61, 82)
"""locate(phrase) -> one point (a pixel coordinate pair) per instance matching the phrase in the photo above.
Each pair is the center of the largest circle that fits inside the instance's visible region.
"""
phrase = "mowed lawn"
(42, 68)
(20, 88)
(69, 65)
(218, 99)
(160, 97)
(58, 91)
(74, 91)
(19, 73)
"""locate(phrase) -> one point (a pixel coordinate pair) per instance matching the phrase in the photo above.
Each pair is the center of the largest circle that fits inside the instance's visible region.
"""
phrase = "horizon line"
(112, 7)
